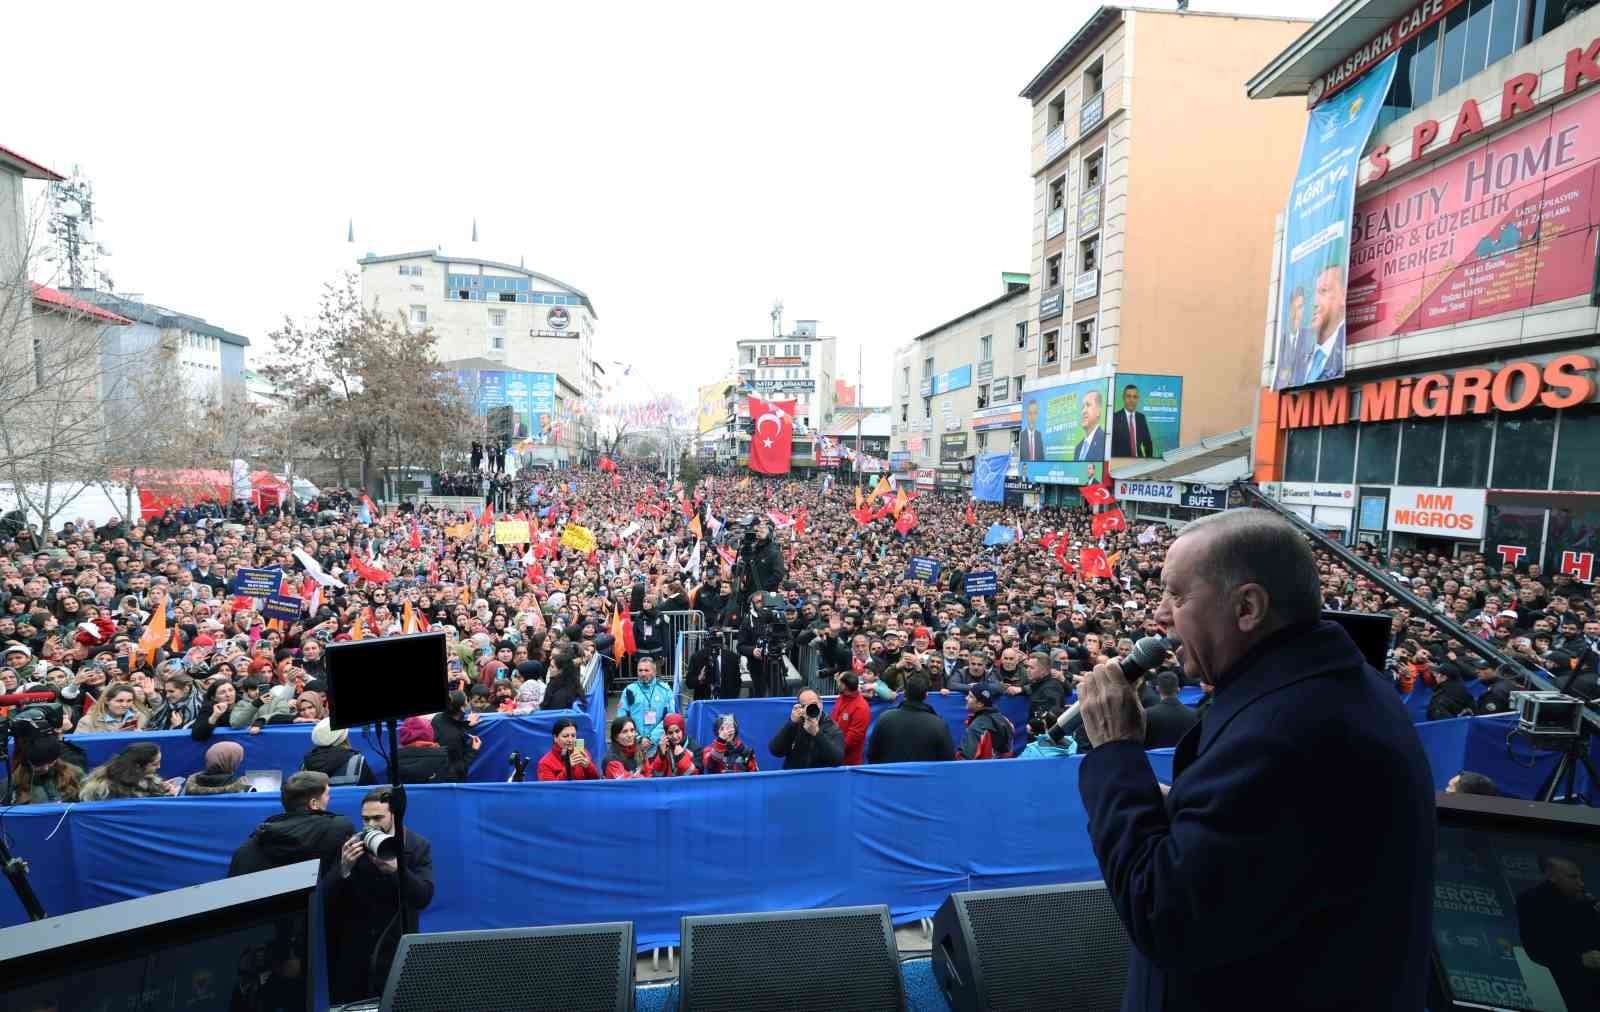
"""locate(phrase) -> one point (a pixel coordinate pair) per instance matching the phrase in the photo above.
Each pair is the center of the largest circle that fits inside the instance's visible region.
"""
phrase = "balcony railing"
(1055, 222)
(1055, 141)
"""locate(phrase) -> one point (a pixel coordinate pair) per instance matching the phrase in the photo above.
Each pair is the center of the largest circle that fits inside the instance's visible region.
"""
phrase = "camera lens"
(813, 711)
(379, 844)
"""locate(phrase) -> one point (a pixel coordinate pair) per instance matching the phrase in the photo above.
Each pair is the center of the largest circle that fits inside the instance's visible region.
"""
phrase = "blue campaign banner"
(279, 606)
(531, 397)
(989, 477)
(255, 582)
(1316, 235)
(981, 583)
(953, 379)
(1065, 423)
(923, 568)
(1148, 414)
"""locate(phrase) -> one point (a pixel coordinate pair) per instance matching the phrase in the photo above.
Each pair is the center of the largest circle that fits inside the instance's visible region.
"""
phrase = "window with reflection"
(1301, 464)
(1375, 456)
(1337, 458)
(1578, 450)
(1466, 451)
(1522, 448)
(1420, 441)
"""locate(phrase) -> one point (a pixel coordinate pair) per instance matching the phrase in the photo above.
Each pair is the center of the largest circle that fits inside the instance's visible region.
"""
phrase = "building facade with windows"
(211, 358)
(798, 366)
(1149, 166)
(520, 319)
(1464, 415)
(956, 391)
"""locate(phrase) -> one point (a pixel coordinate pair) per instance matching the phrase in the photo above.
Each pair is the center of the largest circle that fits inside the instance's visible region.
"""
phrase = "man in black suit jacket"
(1225, 882)
(1168, 720)
(1130, 430)
(1561, 931)
(1031, 442)
(714, 671)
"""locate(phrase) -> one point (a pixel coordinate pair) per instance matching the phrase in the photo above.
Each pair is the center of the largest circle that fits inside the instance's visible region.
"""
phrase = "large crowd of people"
(139, 625)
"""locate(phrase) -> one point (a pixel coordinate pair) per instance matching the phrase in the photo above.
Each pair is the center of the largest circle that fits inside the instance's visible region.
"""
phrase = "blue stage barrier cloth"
(652, 851)
(283, 746)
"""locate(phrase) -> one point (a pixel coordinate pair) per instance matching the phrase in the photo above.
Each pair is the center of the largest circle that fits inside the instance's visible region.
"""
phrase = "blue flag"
(533, 497)
(989, 477)
(1000, 534)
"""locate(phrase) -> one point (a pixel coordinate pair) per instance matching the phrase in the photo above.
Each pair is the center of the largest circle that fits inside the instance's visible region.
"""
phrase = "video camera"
(36, 720)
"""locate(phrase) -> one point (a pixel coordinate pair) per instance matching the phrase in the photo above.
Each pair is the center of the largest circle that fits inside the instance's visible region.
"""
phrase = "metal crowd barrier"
(810, 660)
(688, 643)
(453, 503)
(680, 622)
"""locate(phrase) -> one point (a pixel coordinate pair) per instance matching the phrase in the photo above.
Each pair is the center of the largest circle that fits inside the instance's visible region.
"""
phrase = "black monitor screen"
(390, 678)
(1514, 914)
(1370, 631)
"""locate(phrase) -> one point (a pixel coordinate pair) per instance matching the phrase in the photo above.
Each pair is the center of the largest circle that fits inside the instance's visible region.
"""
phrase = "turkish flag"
(1110, 520)
(1098, 495)
(905, 521)
(1092, 562)
(772, 443)
(972, 515)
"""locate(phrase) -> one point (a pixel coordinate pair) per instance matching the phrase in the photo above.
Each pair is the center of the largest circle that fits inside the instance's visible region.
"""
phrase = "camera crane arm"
(1420, 608)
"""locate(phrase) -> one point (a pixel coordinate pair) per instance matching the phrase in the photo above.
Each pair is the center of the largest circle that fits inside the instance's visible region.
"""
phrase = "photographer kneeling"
(810, 740)
(363, 904)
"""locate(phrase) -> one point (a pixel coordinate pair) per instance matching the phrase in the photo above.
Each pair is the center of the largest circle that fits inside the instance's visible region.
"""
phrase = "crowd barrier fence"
(652, 851)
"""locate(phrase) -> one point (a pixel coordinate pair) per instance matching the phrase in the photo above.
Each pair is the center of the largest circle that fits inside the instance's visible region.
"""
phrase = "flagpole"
(858, 413)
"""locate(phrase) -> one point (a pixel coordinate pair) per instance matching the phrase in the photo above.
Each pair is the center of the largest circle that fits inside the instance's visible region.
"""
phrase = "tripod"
(1573, 752)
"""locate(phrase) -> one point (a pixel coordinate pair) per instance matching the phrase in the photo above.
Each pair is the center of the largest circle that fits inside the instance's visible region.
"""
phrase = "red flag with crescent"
(772, 441)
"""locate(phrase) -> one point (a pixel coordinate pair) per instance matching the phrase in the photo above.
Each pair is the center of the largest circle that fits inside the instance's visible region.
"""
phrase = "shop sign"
(1411, 23)
(1149, 491)
(1205, 497)
(1559, 383)
(1302, 493)
(1437, 512)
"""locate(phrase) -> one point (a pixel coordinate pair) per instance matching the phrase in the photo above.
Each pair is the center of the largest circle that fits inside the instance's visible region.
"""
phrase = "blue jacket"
(1294, 855)
(1043, 748)
(643, 702)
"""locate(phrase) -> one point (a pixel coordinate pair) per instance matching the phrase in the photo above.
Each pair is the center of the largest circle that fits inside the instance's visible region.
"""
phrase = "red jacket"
(554, 766)
(852, 714)
(660, 764)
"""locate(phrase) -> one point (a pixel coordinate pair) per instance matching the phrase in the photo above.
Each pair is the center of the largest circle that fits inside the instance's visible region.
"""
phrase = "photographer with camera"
(39, 772)
(767, 565)
(363, 901)
(809, 739)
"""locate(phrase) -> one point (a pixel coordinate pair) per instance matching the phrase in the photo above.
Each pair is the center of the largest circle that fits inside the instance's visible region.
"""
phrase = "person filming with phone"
(809, 739)
(568, 758)
(363, 901)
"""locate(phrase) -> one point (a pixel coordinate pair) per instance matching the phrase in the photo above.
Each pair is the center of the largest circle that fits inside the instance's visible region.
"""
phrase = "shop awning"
(1215, 460)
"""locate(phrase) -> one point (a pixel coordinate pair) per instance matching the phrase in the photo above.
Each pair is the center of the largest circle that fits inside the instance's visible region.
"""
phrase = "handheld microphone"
(1145, 657)
(24, 698)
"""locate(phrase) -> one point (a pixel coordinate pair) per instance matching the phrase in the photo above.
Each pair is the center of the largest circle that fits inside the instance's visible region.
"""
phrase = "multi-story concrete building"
(1149, 165)
(798, 366)
(956, 390)
(1462, 307)
(210, 358)
(716, 426)
(522, 340)
(16, 295)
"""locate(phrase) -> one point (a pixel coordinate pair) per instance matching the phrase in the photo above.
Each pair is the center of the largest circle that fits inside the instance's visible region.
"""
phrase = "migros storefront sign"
(1561, 382)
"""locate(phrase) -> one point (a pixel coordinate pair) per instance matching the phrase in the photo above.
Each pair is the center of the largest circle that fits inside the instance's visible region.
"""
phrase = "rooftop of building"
(55, 299)
(1018, 290)
(1334, 36)
(440, 257)
(27, 168)
(139, 311)
(1102, 21)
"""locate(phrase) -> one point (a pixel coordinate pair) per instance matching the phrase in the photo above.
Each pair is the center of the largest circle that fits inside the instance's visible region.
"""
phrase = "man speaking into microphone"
(1291, 865)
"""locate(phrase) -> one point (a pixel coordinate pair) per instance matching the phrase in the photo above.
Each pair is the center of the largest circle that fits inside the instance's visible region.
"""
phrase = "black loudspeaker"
(1031, 948)
(840, 958)
(570, 968)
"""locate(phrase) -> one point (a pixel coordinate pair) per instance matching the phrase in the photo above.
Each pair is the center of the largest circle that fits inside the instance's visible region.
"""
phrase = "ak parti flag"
(900, 501)
(772, 443)
(155, 636)
(696, 529)
(1104, 523)
(882, 488)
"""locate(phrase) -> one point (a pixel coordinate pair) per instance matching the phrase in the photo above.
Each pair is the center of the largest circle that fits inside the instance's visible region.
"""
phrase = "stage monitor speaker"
(573, 968)
(839, 958)
(1031, 948)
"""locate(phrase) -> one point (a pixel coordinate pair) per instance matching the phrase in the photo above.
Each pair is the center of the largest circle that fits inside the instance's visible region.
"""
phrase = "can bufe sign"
(1438, 512)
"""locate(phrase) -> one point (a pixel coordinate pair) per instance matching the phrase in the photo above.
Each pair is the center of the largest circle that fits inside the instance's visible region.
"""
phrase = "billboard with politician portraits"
(1065, 423)
(1146, 414)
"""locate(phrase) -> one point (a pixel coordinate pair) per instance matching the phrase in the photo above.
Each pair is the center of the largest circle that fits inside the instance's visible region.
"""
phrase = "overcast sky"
(683, 164)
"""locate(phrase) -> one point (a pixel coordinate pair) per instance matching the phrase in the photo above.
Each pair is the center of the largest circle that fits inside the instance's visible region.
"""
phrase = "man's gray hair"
(1255, 546)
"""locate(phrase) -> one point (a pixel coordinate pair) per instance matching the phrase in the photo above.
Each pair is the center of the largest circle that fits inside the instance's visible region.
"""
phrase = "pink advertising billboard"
(1509, 225)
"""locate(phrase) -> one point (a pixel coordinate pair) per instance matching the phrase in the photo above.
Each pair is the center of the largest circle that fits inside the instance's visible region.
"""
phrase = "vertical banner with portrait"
(1311, 307)
(1064, 432)
(1147, 414)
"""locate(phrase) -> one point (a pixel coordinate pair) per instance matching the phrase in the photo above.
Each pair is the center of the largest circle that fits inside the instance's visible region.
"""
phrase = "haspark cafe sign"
(1400, 31)
(1559, 383)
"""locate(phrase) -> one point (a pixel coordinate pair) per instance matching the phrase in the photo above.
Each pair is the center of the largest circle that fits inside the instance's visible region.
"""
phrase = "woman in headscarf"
(676, 756)
(625, 759)
(420, 759)
(728, 754)
(221, 775)
(529, 697)
(567, 759)
(308, 709)
(116, 710)
(331, 754)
